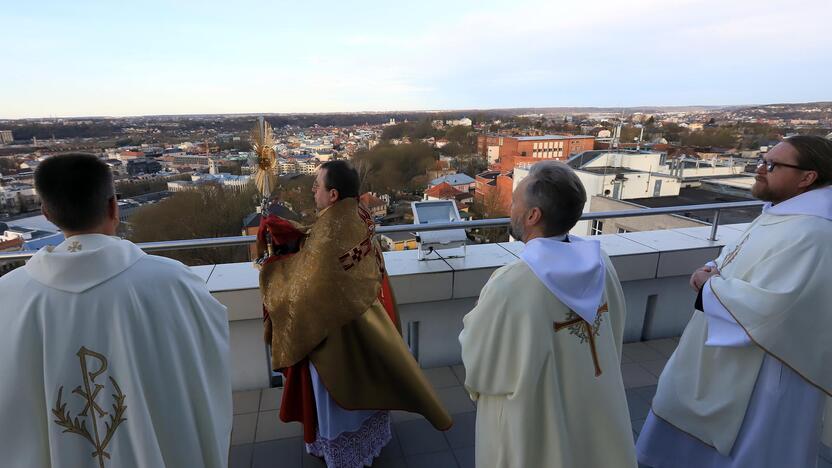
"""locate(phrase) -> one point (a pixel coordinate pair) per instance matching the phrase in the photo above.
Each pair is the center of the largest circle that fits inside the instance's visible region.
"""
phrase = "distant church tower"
(213, 169)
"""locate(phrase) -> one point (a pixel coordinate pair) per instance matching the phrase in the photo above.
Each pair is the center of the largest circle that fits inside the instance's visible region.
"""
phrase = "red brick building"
(513, 150)
(376, 206)
(493, 191)
(445, 191)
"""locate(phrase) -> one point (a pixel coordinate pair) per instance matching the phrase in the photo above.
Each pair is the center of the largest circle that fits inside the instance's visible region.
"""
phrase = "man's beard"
(761, 191)
(515, 230)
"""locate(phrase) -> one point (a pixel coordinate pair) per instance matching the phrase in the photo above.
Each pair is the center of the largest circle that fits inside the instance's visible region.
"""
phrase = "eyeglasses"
(770, 165)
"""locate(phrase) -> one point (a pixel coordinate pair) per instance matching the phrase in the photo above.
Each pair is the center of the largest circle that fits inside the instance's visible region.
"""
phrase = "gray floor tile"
(419, 437)
(637, 425)
(665, 346)
(270, 399)
(636, 376)
(389, 463)
(392, 449)
(465, 457)
(270, 427)
(441, 377)
(399, 416)
(822, 463)
(240, 456)
(456, 400)
(243, 430)
(640, 352)
(826, 452)
(283, 453)
(654, 367)
(626, 359)
(443, 459)
(637, 405)
(311, 461)
(246, 402)
(462, 433)
(459, 372)
(646, 393)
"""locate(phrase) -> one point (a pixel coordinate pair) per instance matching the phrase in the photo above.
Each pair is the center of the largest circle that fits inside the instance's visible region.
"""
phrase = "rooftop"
(443, 190)
(433, 296)
(260, 438)
(552, 137)
(699, 196)
(454, 179)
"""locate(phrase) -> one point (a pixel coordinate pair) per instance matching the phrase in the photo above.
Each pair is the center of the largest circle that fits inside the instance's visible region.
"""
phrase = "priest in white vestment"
(109, 357)
(747, 385)
(542, 348)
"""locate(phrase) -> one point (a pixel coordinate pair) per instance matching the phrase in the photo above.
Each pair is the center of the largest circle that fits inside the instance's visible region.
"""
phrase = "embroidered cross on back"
(584, 331)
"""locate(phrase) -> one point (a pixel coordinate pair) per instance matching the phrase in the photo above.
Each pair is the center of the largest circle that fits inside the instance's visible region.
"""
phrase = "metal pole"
(413, 338)
(714, 226)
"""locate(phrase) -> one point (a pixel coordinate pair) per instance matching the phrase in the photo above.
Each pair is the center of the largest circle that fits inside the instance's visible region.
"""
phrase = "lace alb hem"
(354, 449)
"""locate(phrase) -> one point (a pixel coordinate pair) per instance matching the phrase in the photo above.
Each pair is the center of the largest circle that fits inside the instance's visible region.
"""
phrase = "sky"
(152, 57)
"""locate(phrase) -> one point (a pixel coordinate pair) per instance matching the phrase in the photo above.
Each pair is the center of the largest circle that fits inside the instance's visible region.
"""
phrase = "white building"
(464, 122)
(307, 167)
(285, 166)
(691, 171)
(617, 176)
(192, 160)
(234, 182)
(18, 198)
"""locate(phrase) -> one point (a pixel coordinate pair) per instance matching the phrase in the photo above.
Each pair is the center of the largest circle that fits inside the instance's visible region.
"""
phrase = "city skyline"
(162, 58)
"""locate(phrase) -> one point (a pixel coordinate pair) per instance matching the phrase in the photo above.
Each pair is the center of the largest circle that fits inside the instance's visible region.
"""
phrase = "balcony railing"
(474, 224)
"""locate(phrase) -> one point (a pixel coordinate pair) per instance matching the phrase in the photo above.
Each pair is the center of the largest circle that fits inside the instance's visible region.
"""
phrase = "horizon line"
(418, 111)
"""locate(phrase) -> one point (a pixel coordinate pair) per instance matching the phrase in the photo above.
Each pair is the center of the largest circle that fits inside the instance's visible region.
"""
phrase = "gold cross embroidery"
(74, 247)
(731, 256)
(584, 331)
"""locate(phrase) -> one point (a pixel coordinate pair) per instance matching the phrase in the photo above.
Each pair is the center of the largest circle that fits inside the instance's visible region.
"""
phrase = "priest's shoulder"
(812, 229)
(165, 268)
(15, 281)
(504, 277)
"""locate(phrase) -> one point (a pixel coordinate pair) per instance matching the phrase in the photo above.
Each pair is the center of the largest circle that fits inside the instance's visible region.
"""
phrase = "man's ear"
(534, 216)
(45, 212)
(809, 178)
(112, 209)
(334, 195)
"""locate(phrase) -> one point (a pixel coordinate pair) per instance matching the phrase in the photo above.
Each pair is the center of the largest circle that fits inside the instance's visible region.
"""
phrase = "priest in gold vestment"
(542, 348)
(334, 331)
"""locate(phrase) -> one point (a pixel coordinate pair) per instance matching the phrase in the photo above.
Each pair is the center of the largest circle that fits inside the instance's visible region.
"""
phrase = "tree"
(363, 168)
(207, 212)
(459, 135)
(392, 168)
(394, 132)
(7, 165)
(490, 207)
(232, 167)
(132, 188)
(712, 137)
(629, 134)
(297, 193)
(471, 164)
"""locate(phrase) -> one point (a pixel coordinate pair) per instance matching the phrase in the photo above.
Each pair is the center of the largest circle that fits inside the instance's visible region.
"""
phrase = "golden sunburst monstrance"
(262, 142)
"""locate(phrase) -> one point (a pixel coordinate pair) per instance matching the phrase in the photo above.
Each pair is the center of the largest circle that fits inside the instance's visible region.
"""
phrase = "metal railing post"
(714, 226)
(474, 224)
(413, 338)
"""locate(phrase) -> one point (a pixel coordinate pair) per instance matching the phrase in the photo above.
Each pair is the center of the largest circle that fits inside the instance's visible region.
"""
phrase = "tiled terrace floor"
(261, 440)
